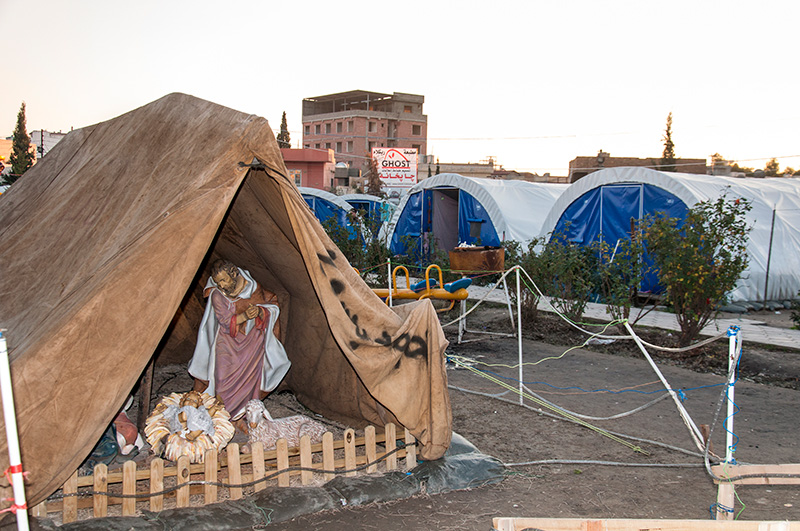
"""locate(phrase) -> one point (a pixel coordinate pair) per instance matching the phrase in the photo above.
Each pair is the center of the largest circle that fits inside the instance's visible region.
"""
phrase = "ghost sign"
(397, 167)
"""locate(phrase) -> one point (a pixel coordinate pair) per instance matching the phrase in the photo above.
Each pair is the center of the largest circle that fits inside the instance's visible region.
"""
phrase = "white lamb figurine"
(263, 428)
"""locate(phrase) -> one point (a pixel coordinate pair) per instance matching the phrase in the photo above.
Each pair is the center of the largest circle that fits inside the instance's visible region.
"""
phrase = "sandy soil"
(664, 482)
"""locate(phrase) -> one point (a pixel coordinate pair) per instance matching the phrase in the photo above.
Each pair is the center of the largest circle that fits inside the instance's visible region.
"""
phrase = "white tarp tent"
(602, 203)
(455, 209)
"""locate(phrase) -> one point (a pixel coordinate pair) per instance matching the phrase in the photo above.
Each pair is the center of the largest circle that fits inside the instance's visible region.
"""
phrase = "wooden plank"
(70, 507)
(370, 449)
(283, 461)
(390, 444)
(157, 484)
(210, 491)
(182, 499)
(234, 470)
(725, 501)
(729, 471)
(129, 487)
(328, 462)
(613, 524)
(257, 450)
(411, 451)
(40, 510)
(349, 451)
(306, 477)
(100, 501)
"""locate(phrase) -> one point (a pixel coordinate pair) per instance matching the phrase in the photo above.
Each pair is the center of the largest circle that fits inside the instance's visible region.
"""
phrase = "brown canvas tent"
(104, 243)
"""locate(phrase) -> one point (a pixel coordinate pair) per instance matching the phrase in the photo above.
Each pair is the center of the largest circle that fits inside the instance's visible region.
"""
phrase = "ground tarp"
(105, 243)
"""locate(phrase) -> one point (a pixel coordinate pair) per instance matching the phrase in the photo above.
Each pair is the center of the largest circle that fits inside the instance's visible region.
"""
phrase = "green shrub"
(700, 260)
(361, 246)
(620, 271)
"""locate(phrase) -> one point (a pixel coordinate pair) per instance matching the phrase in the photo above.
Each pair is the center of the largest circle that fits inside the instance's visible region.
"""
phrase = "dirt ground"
(662, 483)
(573, 470)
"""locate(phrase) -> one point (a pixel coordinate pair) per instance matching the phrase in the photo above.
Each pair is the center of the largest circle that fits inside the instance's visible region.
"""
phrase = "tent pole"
(519, 334)
(145, 392)
(769, 257)
(389, 279)
(20, 506)
(733, 349)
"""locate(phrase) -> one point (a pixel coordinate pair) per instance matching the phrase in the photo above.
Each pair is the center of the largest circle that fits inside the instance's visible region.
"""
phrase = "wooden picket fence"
(159, 486)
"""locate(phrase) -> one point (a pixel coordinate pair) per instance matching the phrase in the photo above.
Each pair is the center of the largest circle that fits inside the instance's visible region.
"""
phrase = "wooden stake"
(70, 511)
(390, 444)
(258, 465)
(306, 477)
(157, 484)
(129, 487)
(210, 491)
(371, 451)
(100, 501)
(328, 461)
(182, 499)
(283, 461)
(234, 470)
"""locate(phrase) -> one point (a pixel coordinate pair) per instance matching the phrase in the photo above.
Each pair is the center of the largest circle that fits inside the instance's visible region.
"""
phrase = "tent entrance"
(444, 218)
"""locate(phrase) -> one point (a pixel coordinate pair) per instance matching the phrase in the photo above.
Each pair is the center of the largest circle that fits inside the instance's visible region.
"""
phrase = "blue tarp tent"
(375, 208)
(326, 205)
(602, 205)
(451, 209)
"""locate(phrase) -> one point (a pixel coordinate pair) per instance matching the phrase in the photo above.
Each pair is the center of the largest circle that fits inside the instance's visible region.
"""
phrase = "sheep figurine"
(263, 428)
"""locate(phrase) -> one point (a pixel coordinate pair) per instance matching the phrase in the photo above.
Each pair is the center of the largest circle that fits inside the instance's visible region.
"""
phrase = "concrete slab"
(752, 330)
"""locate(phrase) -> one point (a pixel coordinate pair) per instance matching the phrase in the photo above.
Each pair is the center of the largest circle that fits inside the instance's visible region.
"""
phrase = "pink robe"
(239, 355)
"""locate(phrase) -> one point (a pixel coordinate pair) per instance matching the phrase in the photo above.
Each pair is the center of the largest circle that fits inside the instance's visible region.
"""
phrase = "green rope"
(553, 408)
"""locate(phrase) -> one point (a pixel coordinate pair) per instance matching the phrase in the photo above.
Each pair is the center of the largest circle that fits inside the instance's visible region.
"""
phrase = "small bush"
(700, 260)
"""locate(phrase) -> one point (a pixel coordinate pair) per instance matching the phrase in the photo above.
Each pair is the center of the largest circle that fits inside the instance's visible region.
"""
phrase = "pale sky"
(532, 83)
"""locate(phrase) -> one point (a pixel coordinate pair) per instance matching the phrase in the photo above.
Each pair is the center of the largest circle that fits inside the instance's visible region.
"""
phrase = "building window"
(338, 147)
(327, 145)
(415, 146)
(416, 130)
(308, 130)
(370, 145)
(297, 175)
(408, 109)
(373, 127)
(316, 146)
(350, 126)
(338, 127)
(316, 129)
(307, 146)
(350, 147)
(327, 129)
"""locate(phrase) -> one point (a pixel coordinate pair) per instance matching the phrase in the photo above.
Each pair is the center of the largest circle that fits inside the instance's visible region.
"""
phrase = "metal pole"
(14, 457)
(769, 257)
(519, 335)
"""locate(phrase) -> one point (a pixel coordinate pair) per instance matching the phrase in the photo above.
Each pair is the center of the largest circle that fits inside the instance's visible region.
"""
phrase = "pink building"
(310, 167)
(352, 123)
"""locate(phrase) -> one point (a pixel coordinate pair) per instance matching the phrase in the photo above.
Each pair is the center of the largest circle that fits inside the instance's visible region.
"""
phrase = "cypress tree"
(668, 156)
(21, 153)
(283, 137)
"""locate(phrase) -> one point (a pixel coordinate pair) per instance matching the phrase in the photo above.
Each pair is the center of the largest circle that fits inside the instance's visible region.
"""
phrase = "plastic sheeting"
(602, 204)
(491, 211)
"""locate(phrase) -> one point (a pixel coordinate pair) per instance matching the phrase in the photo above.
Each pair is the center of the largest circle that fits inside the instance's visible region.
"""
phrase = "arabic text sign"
(397, 167)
